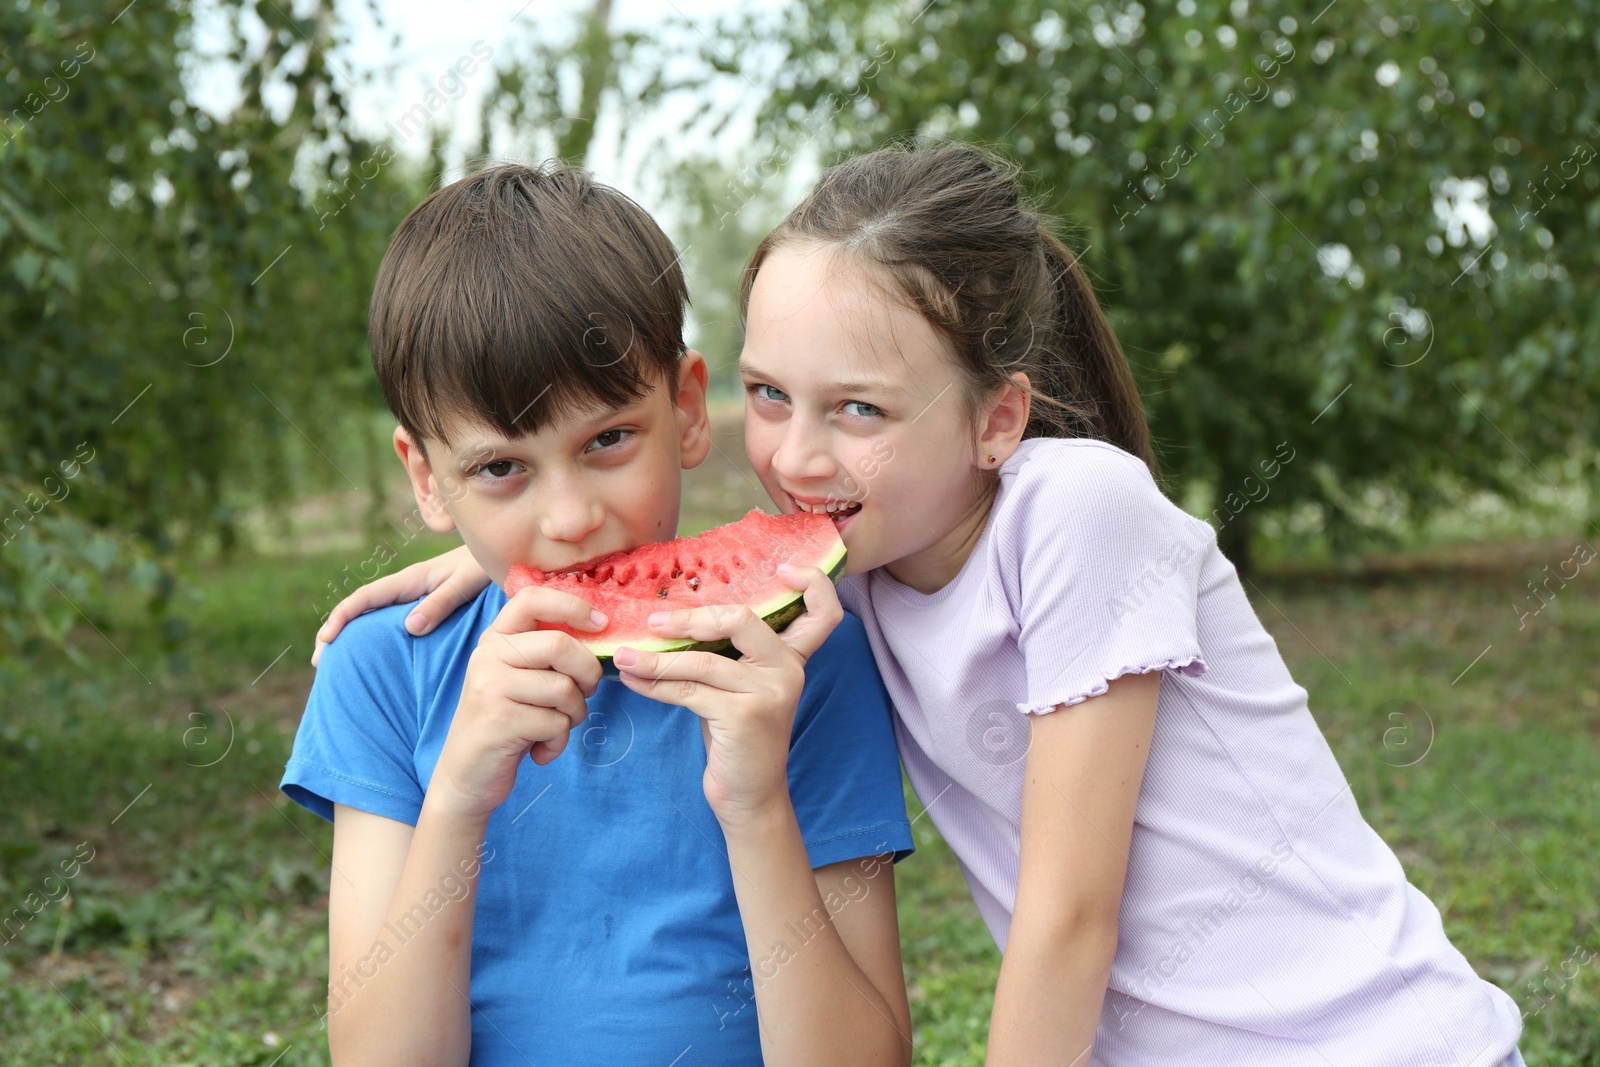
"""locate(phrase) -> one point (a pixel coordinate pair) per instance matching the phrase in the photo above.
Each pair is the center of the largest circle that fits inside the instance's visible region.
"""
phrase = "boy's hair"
(521, 294)
(947, 228)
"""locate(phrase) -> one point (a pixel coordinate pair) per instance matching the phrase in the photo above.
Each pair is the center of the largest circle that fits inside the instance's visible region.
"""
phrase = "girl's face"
(853, 403)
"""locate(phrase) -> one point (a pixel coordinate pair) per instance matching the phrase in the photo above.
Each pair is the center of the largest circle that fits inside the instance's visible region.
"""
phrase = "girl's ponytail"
(949, 229)
(1086, 342)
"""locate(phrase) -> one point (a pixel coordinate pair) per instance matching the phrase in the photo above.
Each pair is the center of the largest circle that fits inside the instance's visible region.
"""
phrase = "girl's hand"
(449, 580)
(524, 691)
(746, 706)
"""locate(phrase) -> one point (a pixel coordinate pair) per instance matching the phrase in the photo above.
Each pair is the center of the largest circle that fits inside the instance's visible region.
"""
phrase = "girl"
(1151, 823)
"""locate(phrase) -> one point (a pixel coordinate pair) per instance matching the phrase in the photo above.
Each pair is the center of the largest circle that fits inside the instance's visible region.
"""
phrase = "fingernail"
(316, 653)
(625, 657)
(416, 624)
(658, 618)
(785, 567)
(598, 619)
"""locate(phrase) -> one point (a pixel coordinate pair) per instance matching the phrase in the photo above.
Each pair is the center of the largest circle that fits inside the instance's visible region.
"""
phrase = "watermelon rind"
(777, 613)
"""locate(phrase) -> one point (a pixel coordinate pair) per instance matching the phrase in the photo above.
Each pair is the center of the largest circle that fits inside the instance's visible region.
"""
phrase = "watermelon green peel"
(736, 564)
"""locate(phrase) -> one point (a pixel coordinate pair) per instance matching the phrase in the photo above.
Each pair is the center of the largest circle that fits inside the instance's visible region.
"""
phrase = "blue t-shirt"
(606, 926)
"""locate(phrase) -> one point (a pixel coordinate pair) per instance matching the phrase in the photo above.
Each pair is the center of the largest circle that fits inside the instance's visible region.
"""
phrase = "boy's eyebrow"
(477, 449)
(586, 419)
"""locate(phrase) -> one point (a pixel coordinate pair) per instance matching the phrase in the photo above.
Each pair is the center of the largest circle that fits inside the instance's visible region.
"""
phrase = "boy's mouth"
(585, 565)
(840, 511)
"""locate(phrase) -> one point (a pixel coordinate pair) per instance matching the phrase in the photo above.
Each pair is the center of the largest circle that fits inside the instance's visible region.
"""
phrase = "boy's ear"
(1005, 422)
(423, 485)
(694, 420)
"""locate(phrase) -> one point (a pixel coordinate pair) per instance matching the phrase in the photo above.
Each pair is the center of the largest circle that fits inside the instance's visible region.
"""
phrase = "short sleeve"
(1102, 570)
(357, 739)
(844, 767)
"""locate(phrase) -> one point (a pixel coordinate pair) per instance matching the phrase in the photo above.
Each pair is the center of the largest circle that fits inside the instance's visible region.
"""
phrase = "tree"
(720, 215)
(182, 294)
(552, 89)
(548, 96)
(1363, 238)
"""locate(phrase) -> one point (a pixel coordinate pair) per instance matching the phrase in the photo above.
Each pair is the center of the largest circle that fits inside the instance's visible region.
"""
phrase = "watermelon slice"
(732, 564)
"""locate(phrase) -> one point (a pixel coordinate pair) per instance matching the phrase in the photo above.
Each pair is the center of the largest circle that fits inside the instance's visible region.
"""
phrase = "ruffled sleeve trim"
(1193, 666)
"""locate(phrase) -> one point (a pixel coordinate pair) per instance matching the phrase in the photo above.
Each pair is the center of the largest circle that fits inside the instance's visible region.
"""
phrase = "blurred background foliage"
(1366, 232)
(181, 294)
(1350, 247)
(1361, 237)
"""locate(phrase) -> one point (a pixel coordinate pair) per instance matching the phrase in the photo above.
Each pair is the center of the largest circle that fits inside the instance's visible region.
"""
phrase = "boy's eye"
(608, 439)
(498, 468)
(767, 392)
(864, 409)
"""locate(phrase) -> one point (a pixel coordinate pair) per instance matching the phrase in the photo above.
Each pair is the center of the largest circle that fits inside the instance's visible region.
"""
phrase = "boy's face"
(583, 487)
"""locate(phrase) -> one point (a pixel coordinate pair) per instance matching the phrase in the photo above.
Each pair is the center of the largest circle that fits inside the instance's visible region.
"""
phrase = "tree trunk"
(1234, 540)
(594, 52)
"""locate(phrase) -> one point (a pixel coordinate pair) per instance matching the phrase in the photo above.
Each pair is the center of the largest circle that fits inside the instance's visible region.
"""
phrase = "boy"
(609, 902)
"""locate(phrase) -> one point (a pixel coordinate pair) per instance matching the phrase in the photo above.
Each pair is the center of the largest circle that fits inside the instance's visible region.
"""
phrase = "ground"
(195, 926)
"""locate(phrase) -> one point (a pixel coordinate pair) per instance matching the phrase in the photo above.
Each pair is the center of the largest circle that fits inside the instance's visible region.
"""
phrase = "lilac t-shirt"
(1263, 922)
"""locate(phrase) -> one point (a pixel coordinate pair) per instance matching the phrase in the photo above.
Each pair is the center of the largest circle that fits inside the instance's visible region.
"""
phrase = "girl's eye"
(864, 410)
(498, 469)
(767, 392)
(608, 439)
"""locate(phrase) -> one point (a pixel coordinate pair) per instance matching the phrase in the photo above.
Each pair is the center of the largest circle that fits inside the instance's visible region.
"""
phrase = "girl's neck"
(936, 566)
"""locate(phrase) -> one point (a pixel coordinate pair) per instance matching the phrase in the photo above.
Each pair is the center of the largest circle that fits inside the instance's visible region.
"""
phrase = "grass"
(196, 931)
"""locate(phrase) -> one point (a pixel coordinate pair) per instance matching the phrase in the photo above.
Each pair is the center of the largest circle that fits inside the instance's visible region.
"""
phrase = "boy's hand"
(746, 706)
(524, 692)
(446, 582)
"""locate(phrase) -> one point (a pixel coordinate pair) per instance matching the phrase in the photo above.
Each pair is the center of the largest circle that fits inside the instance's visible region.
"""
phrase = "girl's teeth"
(829, 508)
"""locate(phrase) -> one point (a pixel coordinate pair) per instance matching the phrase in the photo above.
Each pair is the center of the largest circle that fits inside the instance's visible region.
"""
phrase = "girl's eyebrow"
(870, 386)
(864, 387)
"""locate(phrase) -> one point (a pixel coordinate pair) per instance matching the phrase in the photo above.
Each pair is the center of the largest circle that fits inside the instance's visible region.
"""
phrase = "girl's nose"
(801, 454)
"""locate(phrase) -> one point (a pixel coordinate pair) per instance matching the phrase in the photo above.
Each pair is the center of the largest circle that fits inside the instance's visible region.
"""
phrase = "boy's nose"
(570, 516)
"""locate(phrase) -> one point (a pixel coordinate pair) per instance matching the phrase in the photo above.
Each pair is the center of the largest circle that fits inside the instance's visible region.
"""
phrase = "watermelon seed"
(661, 592)
(694, 583)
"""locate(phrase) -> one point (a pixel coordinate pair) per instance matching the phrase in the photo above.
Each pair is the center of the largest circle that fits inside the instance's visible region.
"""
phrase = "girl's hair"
(950, 228)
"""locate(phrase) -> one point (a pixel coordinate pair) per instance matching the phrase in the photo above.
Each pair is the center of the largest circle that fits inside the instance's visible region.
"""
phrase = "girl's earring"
(991, 459)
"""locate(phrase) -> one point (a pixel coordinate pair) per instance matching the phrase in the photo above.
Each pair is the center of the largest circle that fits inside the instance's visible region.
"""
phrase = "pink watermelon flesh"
(732, 564)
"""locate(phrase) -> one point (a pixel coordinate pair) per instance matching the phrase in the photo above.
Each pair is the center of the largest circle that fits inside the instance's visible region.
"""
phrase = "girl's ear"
(694, 420)
(1004, 422)
(423, 484)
